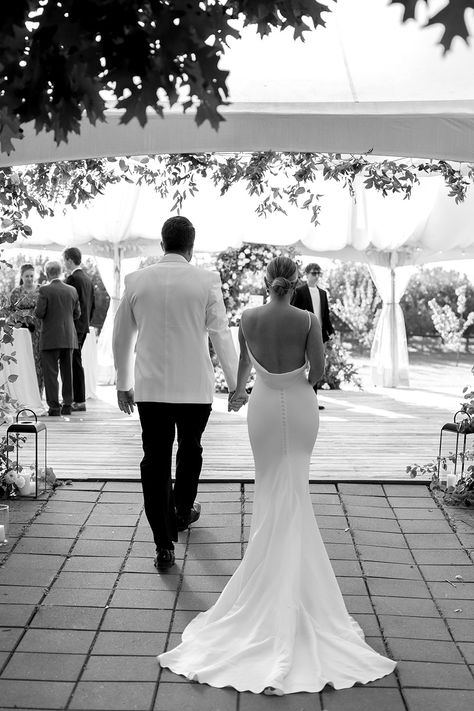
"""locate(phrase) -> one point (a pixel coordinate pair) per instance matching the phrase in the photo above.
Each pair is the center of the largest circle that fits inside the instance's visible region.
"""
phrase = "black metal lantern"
(461, 426)
(32, 446)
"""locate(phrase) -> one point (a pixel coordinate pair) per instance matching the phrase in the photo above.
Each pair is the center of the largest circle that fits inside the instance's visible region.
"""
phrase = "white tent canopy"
(365, 81)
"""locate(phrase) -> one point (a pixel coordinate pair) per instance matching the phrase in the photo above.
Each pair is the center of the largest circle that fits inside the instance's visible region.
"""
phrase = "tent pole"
(117, 274)
(393, 329)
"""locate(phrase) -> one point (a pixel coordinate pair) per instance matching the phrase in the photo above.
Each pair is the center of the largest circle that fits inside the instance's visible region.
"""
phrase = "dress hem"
(278, 691)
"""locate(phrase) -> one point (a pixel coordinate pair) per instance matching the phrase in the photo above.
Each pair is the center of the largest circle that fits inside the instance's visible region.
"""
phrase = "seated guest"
(23, 299)
(58, 307)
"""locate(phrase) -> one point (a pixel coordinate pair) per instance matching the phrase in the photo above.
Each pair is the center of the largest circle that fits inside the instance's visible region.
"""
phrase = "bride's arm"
(315, 352)
(243, 373)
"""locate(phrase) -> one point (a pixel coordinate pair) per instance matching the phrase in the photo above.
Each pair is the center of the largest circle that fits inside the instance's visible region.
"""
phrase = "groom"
(167, 313)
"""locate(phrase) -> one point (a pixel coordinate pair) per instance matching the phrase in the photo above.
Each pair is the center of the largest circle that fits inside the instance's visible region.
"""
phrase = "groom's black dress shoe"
(184, 523)
(164, 559)
(321, 407)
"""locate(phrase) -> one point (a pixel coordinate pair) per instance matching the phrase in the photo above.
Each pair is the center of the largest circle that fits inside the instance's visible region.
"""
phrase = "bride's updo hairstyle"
(282, 275)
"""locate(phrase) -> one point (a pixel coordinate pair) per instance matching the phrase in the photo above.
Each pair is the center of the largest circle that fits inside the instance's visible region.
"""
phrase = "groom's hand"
(126, 400)
(229, 399)
(236, 401)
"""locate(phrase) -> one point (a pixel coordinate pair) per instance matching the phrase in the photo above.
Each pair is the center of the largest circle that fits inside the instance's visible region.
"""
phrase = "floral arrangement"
(242, 271)
(339, 369)
(10, 480)
(20, 482)
(462, 492)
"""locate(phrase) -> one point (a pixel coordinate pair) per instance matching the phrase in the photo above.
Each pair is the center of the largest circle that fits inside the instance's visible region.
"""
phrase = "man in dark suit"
(311, 297)
(84, 287)
(57, 307)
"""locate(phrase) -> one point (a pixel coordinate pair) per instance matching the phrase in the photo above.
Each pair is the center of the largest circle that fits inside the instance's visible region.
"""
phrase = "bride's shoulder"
(300, 314)
(252, 313)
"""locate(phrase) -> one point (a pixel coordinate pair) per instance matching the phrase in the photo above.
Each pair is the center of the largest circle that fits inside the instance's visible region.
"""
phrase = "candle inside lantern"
(4, 510)
(451, 480)
(27, 488)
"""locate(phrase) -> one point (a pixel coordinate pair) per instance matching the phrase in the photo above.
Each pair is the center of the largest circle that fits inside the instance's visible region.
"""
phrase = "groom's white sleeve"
(217, 325)
(123, 344)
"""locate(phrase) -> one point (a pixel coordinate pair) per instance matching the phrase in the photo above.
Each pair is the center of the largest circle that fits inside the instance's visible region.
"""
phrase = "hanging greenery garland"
(276, 180)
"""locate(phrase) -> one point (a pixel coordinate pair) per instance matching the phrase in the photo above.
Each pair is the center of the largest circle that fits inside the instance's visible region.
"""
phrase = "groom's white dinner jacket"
(166, 314)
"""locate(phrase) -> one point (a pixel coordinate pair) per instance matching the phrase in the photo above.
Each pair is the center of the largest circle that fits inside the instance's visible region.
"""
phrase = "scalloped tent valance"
(370, 228)
(366, 81)
(388, 233)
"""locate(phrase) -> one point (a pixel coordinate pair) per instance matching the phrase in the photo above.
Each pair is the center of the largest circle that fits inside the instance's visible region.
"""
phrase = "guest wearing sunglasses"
(310, 297)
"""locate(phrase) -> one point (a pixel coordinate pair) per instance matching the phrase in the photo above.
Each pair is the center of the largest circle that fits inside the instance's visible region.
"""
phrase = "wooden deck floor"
(363, 435)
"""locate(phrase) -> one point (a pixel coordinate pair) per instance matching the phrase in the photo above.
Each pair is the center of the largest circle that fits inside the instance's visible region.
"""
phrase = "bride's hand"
(236, 401)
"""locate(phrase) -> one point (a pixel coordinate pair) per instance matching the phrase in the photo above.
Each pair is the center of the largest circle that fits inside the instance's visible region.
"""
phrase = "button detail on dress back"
(284, 424)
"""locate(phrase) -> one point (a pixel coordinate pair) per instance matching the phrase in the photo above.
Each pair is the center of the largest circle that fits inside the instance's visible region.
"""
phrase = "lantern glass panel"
(4, 516)
(31, 462)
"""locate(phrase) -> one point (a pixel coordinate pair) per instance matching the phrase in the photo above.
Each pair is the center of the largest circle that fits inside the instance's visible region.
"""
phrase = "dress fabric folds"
(281, 621)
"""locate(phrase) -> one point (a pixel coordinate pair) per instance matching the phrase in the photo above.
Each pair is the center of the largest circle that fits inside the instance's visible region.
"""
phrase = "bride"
(280, 625)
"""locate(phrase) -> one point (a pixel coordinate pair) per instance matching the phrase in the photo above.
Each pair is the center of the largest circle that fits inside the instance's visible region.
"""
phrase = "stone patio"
(83, 612)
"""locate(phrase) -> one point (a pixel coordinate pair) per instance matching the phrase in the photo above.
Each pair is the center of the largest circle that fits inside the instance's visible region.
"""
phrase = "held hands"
(126, 400)
(236, 400)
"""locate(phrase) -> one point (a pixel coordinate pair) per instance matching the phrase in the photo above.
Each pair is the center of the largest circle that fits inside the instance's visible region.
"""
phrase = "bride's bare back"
(277, 336)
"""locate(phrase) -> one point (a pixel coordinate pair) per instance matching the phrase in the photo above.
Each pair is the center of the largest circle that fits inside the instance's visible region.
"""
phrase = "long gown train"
(281, 621)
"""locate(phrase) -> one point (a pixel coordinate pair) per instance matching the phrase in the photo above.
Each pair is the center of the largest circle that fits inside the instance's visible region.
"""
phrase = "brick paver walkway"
(83, 612)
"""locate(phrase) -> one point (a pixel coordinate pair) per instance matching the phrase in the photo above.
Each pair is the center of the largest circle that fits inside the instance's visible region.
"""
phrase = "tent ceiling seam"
(346, 63)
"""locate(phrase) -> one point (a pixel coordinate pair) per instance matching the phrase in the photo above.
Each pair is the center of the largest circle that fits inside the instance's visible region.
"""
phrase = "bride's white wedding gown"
(281, 621)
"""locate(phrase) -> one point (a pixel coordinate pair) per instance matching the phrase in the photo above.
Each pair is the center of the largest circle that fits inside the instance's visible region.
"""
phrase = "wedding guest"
(310, 297)
(23, 300)
(85, 289)
(57, 307)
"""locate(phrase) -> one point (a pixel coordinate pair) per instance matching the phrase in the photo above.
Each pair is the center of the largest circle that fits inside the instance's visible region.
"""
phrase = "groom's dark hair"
(177, 234)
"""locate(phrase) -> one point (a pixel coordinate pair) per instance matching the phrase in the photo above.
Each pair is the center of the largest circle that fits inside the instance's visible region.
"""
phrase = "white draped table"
(89, 362)
(25, 388)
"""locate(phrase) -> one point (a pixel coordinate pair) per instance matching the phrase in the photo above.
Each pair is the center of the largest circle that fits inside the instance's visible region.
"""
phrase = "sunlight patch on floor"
(380, 412)
(412, 396)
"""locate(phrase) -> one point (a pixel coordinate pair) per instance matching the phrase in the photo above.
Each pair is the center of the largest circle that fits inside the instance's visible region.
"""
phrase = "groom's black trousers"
(160, 421)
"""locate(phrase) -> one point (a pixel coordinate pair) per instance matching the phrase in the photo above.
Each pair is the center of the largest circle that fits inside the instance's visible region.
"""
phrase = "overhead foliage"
(452, 17)
(275, 180)
(61, 59)
(47, 187)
